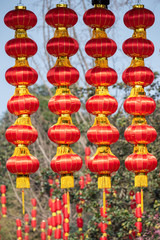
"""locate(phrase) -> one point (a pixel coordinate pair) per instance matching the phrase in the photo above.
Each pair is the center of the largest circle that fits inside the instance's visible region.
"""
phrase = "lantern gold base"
(104, 181)
(141, 180)
(67, 181)
(22, 181)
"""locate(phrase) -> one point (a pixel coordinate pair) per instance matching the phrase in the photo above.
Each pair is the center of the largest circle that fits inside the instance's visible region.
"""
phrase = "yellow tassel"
(67, 181)
(141, 180)
(23, 207)
(104, 181)
(22, 181)
(142, 205)
(104, 201)
(68, 202)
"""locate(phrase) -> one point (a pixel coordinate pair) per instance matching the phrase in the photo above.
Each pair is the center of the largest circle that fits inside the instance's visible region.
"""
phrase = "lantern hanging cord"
(104, 201)
(142, 206)
(23, 207)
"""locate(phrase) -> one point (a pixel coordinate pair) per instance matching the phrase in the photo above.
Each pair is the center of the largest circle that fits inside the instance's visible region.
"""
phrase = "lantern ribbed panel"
(138, 104)
(34, 213)
(102, 133)
(22, 103)
(63, 103)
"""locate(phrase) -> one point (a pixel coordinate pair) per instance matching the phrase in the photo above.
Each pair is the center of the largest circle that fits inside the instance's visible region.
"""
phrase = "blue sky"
(121, 33)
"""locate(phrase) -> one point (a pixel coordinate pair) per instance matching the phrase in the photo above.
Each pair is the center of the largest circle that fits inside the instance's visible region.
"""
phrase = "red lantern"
(22, 103)
(19, 230)
(66, 214)
(43, 227)
(49, 231)
(26, 219)
(138, 104)
(62, 75)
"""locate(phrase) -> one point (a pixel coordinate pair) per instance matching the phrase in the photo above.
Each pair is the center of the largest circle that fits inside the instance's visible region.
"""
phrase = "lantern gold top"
(20, 7)
(100, 6)
(61, 5)
(138, 6)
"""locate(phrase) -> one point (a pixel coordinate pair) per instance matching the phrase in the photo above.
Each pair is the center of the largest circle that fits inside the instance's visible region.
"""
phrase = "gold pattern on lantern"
(137, 62)
(23, 120)
(136, 91)
(61, 32)
(140, 149)
(99, 33)
(102, 90)
(101, 62)
(100, 6)
(21, 62)
(21, 33)
(63, 62)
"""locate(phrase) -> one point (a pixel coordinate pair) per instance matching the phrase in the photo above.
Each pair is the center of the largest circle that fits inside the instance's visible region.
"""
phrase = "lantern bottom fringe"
(22, 181)
(67, 181)
(141, 180)
(104, 181)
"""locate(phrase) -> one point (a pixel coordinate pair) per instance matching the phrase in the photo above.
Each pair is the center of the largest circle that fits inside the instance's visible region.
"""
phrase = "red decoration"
(58, 219)
(62, 75)
(3, 200)
(66, 215)
(34, 213)
(22, 103)
(26, 219)
(49, 231)
(19, 230)
(43, 227)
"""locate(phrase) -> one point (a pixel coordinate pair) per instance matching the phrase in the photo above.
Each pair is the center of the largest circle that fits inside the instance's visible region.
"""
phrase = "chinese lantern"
(103, 224)
(138, 104)
(62, 75)
(22, 103)
(49, 231)
(88, 178)
(87, 155)
(66, 214)
(43, 227)
(34, 213)
(51, 182)
(19, 229)
(102, 104)
(3, 200)
(58, 232)
(26, 230)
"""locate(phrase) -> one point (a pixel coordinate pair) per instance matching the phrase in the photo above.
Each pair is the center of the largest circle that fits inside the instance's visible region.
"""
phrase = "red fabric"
(101, 104)
(103, 214)
(53, 206)
(43, 236)
(22, 164)
(79, 209)
(103, 163)
(26, 229)
(43, 225)
(138, 47)
(67, 163)
(103, 238)
(21, 76)
(34, 213)
(61, 17)
(21, 47)
(54, 221)
(103, 134)
(88, 178)
(3, 199)
(24, 104)
(20, 19)
(65, 198)
(19, 234)
(103, 227)
(87, 151)
(141, 163)
(50, 181)
(66, 227)
(65, 212)
(141, 105)
(57, 234)
(79, 222)
(100, 47)
(58, 204)
(139, 226)
(62, 47)
(18, 223)
(3, 189)
(138, 212)
(64, 104)
(138, 198)
(99, 18)
(140, 134)
(21, 134)
(138, 76)
(133, 204)
(34, 202)
(64, 134)
(26, 217)
(4, 211)
(101, 76)
(139, 18)
(33, 223)
(63, 76)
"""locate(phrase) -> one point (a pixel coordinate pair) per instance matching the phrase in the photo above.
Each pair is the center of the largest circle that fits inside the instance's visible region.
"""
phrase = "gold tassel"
(142, 204)
(23, 205)
(104, 181)
(141, 180)
(104, 201)
(22, 181)
(67, 181)
(68, 202)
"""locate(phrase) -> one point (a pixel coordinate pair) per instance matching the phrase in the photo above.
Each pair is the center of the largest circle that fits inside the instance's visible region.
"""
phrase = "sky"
(121, 34)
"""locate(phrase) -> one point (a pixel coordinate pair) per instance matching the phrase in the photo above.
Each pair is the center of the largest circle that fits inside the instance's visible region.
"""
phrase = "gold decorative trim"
(20, 7)
(61, 5)
(100, 6)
